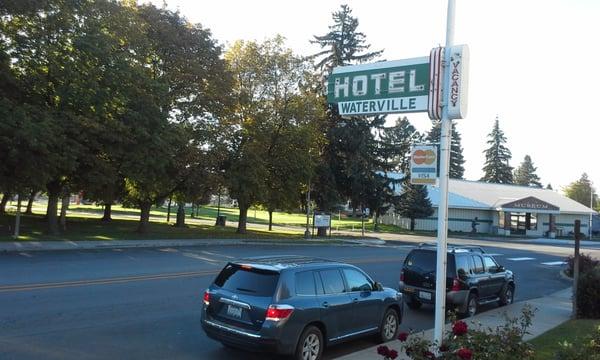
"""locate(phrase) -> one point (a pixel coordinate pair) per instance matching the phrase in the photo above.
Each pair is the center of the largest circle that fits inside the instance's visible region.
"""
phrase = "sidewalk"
(552, 311)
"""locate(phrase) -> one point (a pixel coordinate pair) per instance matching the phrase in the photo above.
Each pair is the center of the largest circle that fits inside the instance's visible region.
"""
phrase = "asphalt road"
(145, 303)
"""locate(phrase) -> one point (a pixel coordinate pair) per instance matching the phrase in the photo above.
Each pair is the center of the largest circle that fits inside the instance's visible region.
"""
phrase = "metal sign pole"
(442, 224)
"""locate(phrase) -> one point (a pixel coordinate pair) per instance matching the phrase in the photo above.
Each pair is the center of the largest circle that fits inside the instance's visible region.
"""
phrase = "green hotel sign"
(380, 88)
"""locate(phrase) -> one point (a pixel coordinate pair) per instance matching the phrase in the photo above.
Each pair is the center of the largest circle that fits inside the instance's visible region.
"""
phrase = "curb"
(16, 247)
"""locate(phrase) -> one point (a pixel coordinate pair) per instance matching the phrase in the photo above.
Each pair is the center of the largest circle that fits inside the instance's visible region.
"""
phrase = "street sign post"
(385, 87)
(423, 164)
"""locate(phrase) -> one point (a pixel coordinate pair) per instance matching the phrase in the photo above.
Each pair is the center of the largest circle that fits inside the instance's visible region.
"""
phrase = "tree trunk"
(270, 220)
(192, 213)
(169, 211)
(18, 218)
(180, 222)
(243, 218)
(63, 212)
(29, 210)
(54, 189)
(144, 217)
(4, 201)
(107, 213)
(412, 224)
(376, 221)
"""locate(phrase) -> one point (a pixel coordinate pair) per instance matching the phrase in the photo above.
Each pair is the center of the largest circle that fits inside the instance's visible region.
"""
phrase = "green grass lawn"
(255, 216)
(85, 228)
(572, 331)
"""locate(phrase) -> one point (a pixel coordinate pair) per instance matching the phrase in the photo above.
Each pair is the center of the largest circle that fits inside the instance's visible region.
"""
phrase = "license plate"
(234, 311)
(425, 295)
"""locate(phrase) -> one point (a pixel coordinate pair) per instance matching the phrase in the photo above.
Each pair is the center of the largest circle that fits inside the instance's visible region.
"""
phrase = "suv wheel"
(389, 326)
(471, 309)
(507, 295)
(310, 344)
(413, 304)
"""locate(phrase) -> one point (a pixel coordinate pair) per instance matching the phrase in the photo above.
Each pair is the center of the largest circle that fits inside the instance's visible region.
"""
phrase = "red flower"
(459, 328)
(403, 336)
(444, 348)
(465, 354)
(429, 355)
(383, 350)
(393, 354)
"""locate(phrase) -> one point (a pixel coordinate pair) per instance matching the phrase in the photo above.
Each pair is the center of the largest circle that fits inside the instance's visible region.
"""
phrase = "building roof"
(481, 195)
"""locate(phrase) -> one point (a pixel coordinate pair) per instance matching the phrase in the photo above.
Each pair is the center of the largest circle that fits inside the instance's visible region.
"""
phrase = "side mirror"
(377, 286)
(500, 268)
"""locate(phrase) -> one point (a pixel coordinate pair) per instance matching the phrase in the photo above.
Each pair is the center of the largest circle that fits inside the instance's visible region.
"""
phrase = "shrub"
(589, 349)
(586, 263)
(461, 343)
(588, 294)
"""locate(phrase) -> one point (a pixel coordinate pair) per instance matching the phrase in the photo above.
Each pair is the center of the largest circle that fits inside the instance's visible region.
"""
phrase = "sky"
(533, 63)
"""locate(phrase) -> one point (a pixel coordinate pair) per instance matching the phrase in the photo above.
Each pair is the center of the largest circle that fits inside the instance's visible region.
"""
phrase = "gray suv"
(295, 305)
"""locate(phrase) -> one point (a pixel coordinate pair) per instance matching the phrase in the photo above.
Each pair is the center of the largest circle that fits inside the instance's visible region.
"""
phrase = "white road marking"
(117, 250)
(198, 257)
(520, 259)
(555, 263)
(25, 254)
(215, 254)
(168, 250)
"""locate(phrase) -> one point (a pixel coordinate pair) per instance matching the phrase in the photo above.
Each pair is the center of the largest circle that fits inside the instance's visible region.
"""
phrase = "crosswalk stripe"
(520, 259)
(554, 263)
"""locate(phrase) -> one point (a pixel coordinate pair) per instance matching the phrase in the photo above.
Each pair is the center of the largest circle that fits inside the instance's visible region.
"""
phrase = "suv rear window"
(252, 281)
(424, 262)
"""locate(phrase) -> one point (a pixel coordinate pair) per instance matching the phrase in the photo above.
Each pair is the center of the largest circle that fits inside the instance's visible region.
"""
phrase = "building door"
(518, 223)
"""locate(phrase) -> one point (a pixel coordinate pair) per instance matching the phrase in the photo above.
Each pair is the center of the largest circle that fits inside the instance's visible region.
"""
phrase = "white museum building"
(502, 209)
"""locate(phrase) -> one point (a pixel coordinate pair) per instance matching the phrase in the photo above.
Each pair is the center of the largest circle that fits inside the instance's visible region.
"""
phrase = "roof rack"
(455, 248)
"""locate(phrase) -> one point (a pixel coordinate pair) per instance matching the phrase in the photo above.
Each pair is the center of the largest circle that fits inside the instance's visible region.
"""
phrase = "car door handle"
(355, 300)
(325, 304)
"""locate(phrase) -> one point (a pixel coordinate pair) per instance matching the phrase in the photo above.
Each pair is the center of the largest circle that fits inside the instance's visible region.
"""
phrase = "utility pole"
(591, 211)
(307, 231)
(442, 223)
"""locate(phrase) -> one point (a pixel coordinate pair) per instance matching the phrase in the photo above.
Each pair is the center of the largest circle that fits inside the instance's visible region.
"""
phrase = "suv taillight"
(402, 275)
(455, 285)
(279, 312)
(206, 298)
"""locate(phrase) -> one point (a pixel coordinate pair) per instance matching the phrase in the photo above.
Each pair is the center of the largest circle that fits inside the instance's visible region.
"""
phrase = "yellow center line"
(26, 287)
(127, 279)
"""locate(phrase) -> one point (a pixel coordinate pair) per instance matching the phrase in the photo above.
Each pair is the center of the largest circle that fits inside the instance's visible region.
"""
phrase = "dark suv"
(473, 278)
(297, 305)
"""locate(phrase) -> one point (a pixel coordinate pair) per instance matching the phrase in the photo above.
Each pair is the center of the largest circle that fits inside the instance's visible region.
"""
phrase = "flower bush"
(463, 343)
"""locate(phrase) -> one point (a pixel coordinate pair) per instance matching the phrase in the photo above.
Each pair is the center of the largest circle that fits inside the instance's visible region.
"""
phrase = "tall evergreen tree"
(457, 160)
(549, 187)
(497, 157)
(348, 157)
(525, 174)
(343, 44)
(414, 203)
(580, 191)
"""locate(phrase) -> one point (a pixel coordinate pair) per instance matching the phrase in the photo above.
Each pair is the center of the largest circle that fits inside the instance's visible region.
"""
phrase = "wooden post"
(576, 266)
(169, 211)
